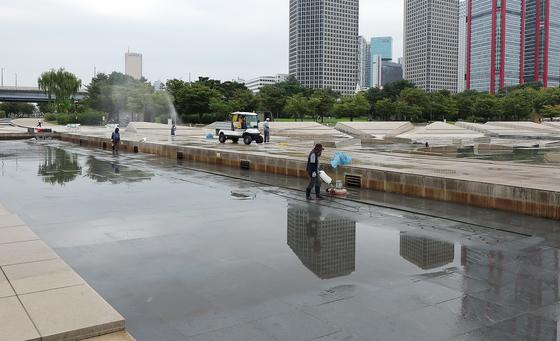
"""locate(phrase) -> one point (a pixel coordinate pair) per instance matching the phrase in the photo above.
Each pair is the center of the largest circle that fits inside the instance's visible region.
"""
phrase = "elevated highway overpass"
(29, 94)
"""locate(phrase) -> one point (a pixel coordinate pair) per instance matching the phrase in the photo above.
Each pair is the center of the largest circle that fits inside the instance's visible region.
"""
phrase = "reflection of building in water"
(325, 245)
(507, 272)
(426, 253)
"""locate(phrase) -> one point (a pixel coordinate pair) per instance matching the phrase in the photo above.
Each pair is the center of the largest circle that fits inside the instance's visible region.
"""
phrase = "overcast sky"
(222, 39)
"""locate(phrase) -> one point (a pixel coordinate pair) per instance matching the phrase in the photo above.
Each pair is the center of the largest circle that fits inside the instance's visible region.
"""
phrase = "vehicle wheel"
(260, 140)
(247, 139)
(235, 140)
(222, 138)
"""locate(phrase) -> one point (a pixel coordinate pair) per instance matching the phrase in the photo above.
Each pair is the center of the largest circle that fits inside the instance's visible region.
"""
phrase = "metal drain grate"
(104, 145)
(245, 164)
(179, 155)
(135, 149)
(353, 180)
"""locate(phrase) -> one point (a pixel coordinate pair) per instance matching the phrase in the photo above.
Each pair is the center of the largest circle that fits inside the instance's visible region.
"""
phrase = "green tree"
(272, 98)
(443, 106)
(518, 104)
(374, 95)
(487, 108)
(465, 101)
(405, 111)
(298, 106)
(220, 108)
(60, 87)
(415, 99)
(385, 109)
(322, 102)
(551, 111)
(24, 109)
(394, 89)
(351, 106)
(194, 99)
(244, 100)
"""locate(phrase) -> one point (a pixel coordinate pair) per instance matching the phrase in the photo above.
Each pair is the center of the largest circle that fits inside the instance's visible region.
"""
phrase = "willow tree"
(60, 86)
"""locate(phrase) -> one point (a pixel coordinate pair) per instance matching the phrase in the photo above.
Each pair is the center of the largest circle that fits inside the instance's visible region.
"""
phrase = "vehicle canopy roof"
(243, 113)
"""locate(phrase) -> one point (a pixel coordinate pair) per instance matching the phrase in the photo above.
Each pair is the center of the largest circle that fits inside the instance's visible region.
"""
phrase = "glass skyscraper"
(382, 46)
(512, 42)
(542, 42)
(324, 44)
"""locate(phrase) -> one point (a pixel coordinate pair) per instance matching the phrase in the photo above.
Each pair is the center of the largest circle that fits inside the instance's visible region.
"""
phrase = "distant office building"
(512, 42)
(324, 43)
(462, 60)
(376, 71)
(391, 72)
(325, 245)
(426, 253)
(542, 42)
(363, 63)
(382, 46)
(257, 83)
(385, 72)
(133, 64)
(431, 43)
(401, 60)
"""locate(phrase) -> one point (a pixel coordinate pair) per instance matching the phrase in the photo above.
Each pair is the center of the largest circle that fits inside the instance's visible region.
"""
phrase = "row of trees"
(207, 100)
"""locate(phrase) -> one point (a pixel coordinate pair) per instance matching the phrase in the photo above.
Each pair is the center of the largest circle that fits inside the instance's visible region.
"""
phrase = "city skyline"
(74, 36)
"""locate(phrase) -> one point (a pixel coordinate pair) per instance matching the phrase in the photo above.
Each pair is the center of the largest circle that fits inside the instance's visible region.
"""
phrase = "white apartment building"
(257, 83)
(431, 43)
(364, 61)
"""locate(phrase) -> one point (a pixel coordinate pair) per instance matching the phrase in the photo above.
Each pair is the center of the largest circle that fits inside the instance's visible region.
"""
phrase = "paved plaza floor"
(187, 255)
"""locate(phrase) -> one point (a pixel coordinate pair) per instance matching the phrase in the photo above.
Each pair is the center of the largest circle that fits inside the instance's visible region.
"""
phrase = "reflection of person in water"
(115, 168)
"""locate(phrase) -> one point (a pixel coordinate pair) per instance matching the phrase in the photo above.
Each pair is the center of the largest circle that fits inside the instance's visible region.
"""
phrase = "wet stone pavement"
(187, 255)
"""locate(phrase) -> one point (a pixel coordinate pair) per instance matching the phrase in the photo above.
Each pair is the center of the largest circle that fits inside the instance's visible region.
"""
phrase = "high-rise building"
(324, 43)
(462, 60)
(363, 63)
(391, 72)
(542, 42)
(376, 71)
(384, 72)
(133, 64)
(494, 40)
(512, 42)
(326, 245)
(382, 46)
(257, 83)
(431, 43)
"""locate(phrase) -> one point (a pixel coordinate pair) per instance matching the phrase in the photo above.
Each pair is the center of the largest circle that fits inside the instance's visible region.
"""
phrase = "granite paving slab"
(25, 252)
(5, 287)
(15, 324)
(9, 220)
(76, 312)
(16, 234)
(40, 276)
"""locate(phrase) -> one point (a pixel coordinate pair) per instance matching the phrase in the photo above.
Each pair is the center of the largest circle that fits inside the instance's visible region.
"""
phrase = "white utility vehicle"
(241, 125)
